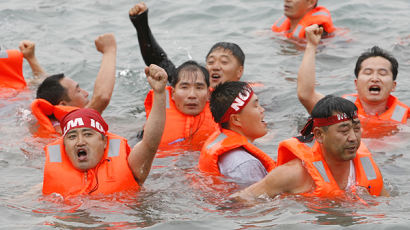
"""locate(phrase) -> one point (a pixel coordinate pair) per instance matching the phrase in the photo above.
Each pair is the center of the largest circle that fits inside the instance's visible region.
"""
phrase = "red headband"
(340, 117)
(84, 117)
(320, 122)
(238, 104)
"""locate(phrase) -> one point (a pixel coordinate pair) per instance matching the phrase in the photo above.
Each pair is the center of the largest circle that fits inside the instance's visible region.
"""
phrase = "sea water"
(175, 195)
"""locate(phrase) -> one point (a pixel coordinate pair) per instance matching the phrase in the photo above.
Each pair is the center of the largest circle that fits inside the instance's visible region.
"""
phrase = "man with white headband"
(229, 151)
(90, 160)
(337, 165)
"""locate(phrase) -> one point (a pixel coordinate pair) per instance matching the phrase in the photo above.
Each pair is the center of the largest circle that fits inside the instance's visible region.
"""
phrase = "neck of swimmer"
(374, 108)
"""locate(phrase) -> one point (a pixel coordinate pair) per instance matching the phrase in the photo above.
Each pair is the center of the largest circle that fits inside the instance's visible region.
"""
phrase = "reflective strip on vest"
(4, 54)
(321, 168)
(219, 138)
(310, 144)
(281, 21)
(368, 168)
(177, 140)
(54, 153)
(398, 113)
(114, 148)
(351, 98)
(167, 101)
(297, 31)
(320, 13)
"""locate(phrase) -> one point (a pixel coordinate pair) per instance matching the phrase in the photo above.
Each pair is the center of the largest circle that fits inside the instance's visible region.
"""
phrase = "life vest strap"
(54, 153)
(321, 169)
(219, 138)
(114, 147)
(368, 168)
(399, 112)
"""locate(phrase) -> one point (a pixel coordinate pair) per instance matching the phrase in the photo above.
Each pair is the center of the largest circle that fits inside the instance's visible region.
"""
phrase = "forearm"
(104, 83)
(38, 72)
(307, 78)
(142, 155)
(151, 51)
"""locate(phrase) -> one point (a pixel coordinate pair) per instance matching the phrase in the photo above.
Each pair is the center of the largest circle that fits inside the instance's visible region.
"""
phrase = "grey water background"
(174, 195)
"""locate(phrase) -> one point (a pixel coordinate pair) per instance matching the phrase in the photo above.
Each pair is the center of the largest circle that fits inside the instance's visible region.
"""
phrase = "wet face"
(342, 140)
(296, 9)
(223, 66)
(84, 147)
(191, 92)
(375, 80)
(251, 119)
(78, 96)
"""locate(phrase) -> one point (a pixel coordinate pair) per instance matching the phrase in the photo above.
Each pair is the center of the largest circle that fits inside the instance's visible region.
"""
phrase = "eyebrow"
(82, 130)
(377, 69)
(86, 129)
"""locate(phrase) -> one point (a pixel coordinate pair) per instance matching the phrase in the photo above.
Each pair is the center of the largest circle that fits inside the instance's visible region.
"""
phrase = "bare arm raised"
(28, 49)
(291, 177)
(307, 94)
(142, 155)
(104, 83)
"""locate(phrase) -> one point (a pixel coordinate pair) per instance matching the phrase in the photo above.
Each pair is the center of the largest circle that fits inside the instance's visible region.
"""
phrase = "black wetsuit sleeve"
(151, 52)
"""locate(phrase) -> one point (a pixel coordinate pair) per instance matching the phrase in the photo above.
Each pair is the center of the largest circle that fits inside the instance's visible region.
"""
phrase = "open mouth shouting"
(81, 154)
(215, 77)
(374, 90)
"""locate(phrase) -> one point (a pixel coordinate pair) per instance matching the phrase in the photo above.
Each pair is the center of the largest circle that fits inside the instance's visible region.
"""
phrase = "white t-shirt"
(352, 177)
(239, 165)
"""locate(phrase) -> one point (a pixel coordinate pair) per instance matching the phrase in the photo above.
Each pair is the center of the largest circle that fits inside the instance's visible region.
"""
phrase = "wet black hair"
(190, 66)
(223, 96)
(376, 51)
(52, 90)
(234, 48)
(325, 108)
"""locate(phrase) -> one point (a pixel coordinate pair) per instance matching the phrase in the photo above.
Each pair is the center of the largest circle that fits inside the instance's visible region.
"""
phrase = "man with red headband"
(376, 71)
(90, 160)
(229, 151)
(337, 164)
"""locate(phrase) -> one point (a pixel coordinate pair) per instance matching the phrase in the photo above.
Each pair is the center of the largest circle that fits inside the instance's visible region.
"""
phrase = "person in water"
(376, 72)
(58, 91)
(188, 118)
(299, 14)
(229, 151)
(88, 159)
(224, 61)
(337, 165)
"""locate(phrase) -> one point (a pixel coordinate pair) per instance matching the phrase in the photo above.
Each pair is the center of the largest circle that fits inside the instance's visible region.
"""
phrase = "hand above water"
(157, 78)
(106, 43)
(138, 9)
(28, 49)
(313, 34)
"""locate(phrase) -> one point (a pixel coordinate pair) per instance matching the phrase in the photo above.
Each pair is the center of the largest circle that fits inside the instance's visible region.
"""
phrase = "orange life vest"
(11, 69)
(319, 15)
(223, 141)
(384, 124)
(111, 175)
(42, 109)
(182, 131)
(367, 173)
